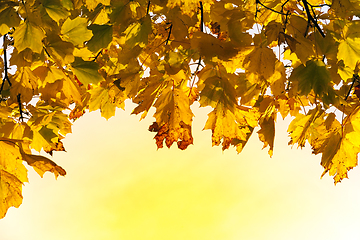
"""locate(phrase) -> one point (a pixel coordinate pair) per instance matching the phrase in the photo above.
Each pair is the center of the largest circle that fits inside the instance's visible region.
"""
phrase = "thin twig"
(20, 107)
(285, 14)
(6, 75)
(168, 38)
(201, 17)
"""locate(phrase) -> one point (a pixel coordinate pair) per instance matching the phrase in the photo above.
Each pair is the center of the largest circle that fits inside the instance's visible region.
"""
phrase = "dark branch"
(6, 75)
(20, 107)
(311, 19)
(355, 79)
(263, 5)
(202, 17)
(168, 38)
(148, 8)
(47, 53)
(97, 55)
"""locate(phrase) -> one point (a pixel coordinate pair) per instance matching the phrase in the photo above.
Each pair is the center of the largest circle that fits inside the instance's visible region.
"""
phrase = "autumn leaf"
(137, 33)
(314, 76)
(260, 61)
(55, 10)
(86, 71)
(231, 128)
(27, 35)
(246, 60)
(8, 19)
(75, 31)
(42, 164)
(173, 119)
(102, 36)
(13, 174)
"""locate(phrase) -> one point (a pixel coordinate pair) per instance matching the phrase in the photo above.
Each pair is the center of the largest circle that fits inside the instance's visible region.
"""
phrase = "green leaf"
(313, 76)
(28, 35)
(86, 71)
(102, 36)
(75, 31)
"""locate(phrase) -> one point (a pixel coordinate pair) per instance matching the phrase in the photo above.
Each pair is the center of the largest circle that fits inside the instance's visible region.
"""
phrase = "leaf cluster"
(251, 61)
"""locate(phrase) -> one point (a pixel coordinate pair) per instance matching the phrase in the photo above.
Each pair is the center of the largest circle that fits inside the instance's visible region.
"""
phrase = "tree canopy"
(247, 59)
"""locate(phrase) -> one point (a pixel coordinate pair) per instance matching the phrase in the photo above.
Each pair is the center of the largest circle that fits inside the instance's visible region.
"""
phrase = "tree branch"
(311, 19)
(201, 17)
(20, 107)
(6, 75)
(168, 38)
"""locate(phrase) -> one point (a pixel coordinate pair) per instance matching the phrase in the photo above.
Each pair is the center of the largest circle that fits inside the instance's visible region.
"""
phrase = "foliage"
(247, 59)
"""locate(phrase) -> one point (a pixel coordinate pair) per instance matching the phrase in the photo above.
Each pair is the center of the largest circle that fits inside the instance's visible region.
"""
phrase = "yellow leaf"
(55, 10)
(61, 52)
(75, 31)
(102, 17)
(303, 127)
(173, 118)
(261, 61)
(8, 19)
(12, 176)
(339, 145)
(91, 4)
(28, 35)
(349, 51)
(86, 71)
(147, 94)
(25, 83)
(42, 164)
(216, 90)
(230, 128)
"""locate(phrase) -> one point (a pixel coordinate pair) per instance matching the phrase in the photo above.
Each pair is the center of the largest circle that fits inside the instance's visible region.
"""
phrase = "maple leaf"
(173, 119)
(137, 33)
(339, 145)
(314, 76)
(55, 9)
(8, 19)
(75, 31)
(12, 176)
(261, 61)
(61, 58)
(102, 36)
(27, 35)
(303, 127)
(231, 128)
(86, 71)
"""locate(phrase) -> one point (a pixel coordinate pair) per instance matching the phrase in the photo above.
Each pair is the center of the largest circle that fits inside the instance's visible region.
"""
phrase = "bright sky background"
(118, 186)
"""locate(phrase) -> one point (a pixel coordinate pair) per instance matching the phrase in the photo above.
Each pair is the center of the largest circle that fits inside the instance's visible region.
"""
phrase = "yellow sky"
(118, 186)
